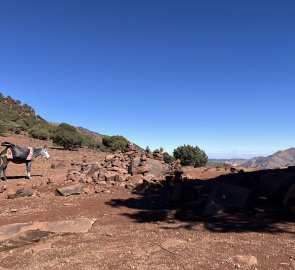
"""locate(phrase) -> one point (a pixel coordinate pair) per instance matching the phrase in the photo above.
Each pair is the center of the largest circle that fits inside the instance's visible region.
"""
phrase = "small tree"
(190, 155)
(67, 136)
(168, 158)
(114, 143)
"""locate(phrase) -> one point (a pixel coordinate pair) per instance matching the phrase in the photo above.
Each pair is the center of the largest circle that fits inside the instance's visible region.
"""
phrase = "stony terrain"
(117, 229)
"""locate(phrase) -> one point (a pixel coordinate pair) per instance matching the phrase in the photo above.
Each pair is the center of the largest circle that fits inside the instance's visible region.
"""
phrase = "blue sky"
(216, 74)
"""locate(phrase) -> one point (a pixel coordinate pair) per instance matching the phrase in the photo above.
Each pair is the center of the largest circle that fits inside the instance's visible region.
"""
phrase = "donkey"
(20, 155)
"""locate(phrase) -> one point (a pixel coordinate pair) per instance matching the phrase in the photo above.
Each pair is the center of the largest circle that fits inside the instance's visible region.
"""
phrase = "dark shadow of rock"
(11, 177)
(243, 202)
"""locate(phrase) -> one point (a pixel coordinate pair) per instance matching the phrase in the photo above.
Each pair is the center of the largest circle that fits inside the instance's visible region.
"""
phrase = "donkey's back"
(16, 151)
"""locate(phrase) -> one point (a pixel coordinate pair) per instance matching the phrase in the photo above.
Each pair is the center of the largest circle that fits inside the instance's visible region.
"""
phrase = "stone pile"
(158, 155)
(148, 152)
(123, 169)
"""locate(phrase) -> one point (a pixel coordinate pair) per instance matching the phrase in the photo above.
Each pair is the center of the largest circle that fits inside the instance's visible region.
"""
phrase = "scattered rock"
(21, 193)
(245, 260)
(111, 176)
(2, 189)
(57, 165)
(75, 189)
(95, 167)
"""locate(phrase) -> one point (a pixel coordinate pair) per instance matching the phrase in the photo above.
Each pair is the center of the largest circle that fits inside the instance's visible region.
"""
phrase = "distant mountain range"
(277, 160)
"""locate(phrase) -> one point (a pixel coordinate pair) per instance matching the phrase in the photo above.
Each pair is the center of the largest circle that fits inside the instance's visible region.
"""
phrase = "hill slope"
(276, 160)
(17, 117)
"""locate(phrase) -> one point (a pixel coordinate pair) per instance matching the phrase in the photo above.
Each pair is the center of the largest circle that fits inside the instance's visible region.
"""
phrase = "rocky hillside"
(277, 160)
(16, 117)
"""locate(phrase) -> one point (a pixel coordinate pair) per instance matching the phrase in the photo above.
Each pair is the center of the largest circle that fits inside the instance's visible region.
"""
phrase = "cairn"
(158, 155)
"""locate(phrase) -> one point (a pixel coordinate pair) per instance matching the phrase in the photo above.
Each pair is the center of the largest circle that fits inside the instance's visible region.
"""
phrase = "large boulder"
(133, 166)
(151, 166)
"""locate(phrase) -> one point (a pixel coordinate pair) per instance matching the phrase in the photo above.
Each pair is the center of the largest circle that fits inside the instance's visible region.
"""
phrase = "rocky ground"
(116, 229)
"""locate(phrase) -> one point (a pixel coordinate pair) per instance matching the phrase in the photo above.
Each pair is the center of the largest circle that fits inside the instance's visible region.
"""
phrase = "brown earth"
(121, 238)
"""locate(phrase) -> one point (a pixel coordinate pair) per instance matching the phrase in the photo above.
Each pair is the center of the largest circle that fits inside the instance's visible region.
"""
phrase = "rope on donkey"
(45, 168)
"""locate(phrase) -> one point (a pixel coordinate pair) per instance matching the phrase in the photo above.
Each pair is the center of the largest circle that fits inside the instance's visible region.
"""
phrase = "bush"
(102, 147)
(67, 136)
(115, 143)
(219, 165)
(3, 128)
(190, 155)
(90, 142)
(168, 158)
(39, 132)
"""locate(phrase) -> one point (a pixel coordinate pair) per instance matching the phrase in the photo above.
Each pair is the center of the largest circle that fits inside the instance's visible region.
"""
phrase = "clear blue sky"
(216, 74)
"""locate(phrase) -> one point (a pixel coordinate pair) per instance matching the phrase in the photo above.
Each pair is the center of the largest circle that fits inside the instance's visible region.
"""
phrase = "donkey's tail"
(7, 144)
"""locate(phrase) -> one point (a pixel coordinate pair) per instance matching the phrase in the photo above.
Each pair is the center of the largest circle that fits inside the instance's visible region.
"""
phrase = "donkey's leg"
(28, 167)
(3, 168)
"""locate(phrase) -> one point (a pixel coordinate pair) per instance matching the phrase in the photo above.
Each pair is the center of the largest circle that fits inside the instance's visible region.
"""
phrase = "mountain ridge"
(281, 158)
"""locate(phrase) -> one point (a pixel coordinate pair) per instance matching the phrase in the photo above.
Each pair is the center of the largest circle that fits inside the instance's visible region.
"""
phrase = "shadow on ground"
(185, 200)
(11, 177)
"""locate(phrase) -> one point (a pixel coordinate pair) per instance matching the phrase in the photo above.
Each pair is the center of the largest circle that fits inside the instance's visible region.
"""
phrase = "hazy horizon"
(214, 74)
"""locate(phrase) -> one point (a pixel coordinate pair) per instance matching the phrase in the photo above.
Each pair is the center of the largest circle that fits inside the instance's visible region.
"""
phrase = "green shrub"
(39, 132)
(168, 158)
(3, 128)
(89, 142)
(102, 147)
(190, 155)
(67, 136)
(115, 143)
(219, 165)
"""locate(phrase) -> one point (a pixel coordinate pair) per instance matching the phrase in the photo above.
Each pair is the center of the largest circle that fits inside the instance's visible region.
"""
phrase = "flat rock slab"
(75, 189)
(20, 234)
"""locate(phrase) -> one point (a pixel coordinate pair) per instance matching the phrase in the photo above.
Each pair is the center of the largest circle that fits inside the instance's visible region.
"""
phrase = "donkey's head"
(44, 152)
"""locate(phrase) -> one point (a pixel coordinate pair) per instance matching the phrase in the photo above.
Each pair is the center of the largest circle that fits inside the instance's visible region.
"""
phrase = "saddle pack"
(16, 152)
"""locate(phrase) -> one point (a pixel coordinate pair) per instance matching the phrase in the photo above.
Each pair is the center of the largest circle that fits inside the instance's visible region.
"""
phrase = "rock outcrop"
(122, 169)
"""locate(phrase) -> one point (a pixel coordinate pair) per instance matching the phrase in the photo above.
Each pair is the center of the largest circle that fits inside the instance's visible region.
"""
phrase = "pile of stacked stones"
(124, 169)
(158, 155)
